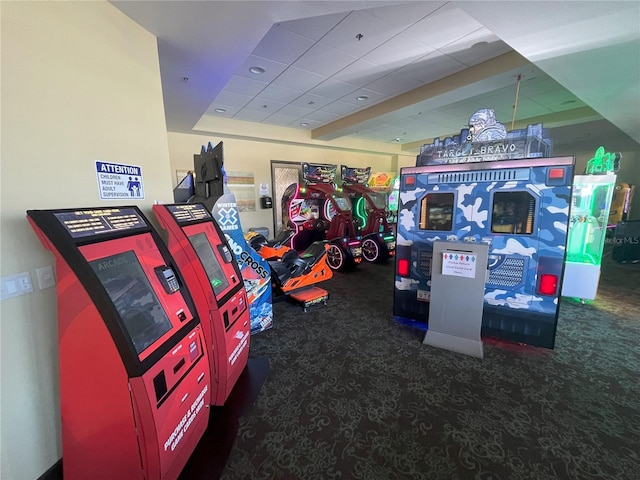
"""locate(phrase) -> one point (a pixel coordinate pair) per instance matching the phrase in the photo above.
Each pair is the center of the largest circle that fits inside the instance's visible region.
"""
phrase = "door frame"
(275, 164)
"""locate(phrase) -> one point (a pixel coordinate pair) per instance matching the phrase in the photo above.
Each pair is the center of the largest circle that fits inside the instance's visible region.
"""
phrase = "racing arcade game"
(318, 211)
(134, 371)
(210, 271)
(370, 212)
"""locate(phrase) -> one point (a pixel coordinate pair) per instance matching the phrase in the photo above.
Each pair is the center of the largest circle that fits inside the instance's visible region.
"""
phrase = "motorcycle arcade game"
(318, 211)
(134, 368)
(295, 275)
(370, 213)
(210, 272)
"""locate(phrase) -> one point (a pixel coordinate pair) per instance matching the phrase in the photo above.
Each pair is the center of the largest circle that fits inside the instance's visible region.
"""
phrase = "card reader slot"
(160, 385)
(178, 365)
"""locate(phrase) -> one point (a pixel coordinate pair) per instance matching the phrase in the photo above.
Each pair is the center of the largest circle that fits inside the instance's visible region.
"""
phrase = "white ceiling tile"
(373, 98)
(332, 88)
(361, 73)
(280, 94)
(245, 86)
(477, 47)
(232, 99)
(406, 14)
(373, 30)
(340, 108)
(251, 115)
(299, 79)
(557, 100)
(397, 52)
(310, 123)
(269, 106)
(321, 116)
(527, 108)
(308, 100)
(229, 111)
(279, 119)
(444, 26)
(324, 60)
(432, 67)
(272, 69)
(282, 45)
(314, 27)
(294, 111)
(394, 84)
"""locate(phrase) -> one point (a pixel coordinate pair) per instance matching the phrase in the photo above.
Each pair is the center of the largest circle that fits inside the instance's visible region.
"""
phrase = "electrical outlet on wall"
(45, 276)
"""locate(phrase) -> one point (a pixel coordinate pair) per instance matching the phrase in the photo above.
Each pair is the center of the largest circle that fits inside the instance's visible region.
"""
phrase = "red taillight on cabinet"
(548, 284)
(403, 267)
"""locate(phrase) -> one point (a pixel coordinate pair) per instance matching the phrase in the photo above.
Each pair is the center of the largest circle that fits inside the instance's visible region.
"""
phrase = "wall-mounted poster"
(242, 185)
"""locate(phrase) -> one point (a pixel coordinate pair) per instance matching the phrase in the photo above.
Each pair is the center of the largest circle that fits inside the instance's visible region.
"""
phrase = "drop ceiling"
(395, 72)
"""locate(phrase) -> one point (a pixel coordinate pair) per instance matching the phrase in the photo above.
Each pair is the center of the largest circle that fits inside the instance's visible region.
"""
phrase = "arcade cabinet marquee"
(134, 369)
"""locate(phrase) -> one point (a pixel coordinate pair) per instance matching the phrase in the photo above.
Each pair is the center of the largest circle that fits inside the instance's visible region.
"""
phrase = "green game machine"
(591, 198)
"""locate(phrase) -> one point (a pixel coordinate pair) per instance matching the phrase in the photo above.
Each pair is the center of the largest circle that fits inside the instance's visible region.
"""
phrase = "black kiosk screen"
(130, 291)
(210, 263)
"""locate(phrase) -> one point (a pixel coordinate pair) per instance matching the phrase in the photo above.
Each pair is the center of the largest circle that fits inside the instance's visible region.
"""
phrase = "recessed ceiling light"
(479, 44)
(362, 98)
(257, 70)
(304, 124)
(221, 110)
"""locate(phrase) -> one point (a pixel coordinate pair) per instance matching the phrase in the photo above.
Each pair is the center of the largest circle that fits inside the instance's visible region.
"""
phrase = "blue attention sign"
(119, 182)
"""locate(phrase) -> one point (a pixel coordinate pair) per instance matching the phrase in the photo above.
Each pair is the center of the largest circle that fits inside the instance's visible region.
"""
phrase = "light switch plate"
(15, 285)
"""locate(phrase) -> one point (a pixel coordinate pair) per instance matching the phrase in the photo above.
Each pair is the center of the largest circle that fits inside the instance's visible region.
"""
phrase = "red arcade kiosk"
(134, 371)
(202, 254)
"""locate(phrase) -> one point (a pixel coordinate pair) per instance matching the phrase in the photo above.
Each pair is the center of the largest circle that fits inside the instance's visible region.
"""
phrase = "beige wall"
(80, 82)
(249, 155)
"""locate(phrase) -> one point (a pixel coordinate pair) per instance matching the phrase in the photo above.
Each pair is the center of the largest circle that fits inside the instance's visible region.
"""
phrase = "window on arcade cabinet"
(436, 211)
(513, 212)
(210, 262)
(130, 291)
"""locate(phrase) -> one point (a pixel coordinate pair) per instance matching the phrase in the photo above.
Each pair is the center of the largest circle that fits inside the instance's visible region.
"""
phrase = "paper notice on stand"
(459, 264)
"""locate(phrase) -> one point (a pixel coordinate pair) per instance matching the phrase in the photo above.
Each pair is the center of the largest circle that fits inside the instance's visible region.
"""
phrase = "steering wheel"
(309, 224)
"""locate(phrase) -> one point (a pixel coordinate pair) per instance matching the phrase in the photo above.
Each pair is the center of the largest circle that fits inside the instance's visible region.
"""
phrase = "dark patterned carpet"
(352, 394)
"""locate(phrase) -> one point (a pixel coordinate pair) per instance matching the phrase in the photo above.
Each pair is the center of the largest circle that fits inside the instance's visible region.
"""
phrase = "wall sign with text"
(119, 182)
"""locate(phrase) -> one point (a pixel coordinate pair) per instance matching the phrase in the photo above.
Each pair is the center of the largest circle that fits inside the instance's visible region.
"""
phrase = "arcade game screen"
(436, 211)
(130, 291)
(217, 278)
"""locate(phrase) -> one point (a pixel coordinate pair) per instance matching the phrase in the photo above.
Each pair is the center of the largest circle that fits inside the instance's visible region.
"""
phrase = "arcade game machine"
(212, 192)
(318, 211)
(211, 274)
(294, 275)
(370, 213)
(497, 187)
(589, 215)
(134, 368)
(388, 184)
(185, 190)
(620, 203)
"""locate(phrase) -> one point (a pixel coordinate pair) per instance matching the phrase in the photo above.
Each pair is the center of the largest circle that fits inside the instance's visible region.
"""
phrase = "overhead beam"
(472, 75)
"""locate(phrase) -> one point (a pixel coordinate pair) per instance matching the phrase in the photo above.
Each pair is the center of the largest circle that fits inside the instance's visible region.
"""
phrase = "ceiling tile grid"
(313, 70)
